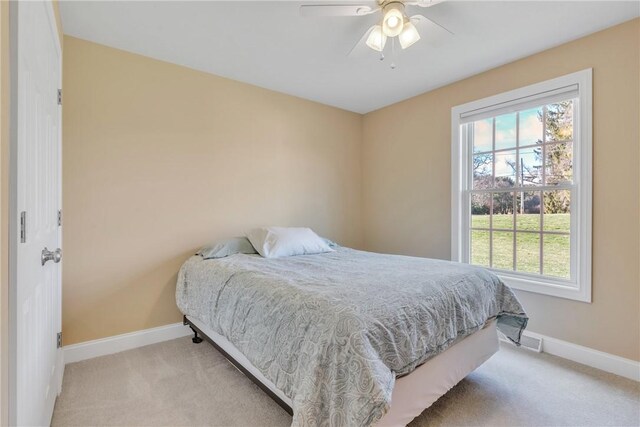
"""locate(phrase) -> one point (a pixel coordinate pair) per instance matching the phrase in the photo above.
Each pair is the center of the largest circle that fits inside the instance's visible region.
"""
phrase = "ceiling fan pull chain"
(382, 39)
(393, 53)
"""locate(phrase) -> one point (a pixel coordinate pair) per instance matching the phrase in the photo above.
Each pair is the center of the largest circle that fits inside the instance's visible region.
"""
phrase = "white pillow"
(275, 242)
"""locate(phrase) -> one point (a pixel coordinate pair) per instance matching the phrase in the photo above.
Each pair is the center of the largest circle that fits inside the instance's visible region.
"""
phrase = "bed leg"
(196, 339)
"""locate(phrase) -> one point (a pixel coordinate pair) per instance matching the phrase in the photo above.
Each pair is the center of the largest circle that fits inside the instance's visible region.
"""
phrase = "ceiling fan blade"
(423, 3)
(421, 17)
(336, 10)
(362, 40)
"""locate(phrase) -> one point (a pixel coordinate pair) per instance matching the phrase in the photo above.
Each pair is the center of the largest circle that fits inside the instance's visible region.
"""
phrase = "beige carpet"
(177, 383)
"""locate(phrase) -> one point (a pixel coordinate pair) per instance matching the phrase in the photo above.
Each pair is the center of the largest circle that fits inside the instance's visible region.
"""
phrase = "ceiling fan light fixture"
(377, 39)
(393, 20)
(409, 35)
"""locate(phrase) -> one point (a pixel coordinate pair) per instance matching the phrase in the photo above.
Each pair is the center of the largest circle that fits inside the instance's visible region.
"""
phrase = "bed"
(349, 337)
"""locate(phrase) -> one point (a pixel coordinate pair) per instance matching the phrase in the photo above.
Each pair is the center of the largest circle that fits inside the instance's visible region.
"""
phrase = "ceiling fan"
(393, 23)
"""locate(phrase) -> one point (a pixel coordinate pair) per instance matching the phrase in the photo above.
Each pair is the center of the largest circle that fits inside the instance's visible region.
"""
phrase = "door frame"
(14, 223)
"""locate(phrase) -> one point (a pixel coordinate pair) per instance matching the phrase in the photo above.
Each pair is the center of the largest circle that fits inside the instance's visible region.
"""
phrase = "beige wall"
(160, 159)
(406, 182)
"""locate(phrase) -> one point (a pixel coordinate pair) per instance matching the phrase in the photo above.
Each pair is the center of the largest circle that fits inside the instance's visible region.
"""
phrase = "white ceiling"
(267, 43)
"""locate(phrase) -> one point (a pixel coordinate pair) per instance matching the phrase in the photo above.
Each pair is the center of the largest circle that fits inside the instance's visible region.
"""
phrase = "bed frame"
(197, 340)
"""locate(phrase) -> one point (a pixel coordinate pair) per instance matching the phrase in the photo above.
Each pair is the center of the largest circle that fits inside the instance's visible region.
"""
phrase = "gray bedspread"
(333, 331)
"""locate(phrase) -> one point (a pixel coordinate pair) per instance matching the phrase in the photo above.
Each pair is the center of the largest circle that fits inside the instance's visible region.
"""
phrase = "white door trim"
(14, 220)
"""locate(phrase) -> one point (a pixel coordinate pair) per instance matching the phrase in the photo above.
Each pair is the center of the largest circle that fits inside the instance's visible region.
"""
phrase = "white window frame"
(579, 287)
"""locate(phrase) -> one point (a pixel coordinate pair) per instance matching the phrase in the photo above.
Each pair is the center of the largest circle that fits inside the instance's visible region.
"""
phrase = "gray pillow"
(227, 247)
(330, 243)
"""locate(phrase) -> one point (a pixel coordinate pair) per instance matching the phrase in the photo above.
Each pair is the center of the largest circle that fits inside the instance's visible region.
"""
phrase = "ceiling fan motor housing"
(393, 18)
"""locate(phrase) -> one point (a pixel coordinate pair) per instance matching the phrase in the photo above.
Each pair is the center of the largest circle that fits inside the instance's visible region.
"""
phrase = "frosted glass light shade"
(409, 35)
(377, 39)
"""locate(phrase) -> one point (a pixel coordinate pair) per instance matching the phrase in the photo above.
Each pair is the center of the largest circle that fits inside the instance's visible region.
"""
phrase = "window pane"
(557, 206)
(559, 121)
(503, 250)
(480, 210)
(556, 255)
(482, 171)
(530, 166)
(505, 169)
(528, 211)
(482, 135)
(480, 248)
(528, 252)
(559, 163)
(531, 127)
(503, 210)
(506, 131)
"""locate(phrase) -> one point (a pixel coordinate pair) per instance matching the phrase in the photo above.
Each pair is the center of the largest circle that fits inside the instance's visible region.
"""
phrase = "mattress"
(333, 331)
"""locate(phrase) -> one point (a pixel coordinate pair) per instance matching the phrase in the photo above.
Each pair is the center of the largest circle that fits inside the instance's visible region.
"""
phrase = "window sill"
(561, 289)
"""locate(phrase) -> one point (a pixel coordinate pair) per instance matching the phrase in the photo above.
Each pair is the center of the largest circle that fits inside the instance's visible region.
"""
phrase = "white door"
(38, 285)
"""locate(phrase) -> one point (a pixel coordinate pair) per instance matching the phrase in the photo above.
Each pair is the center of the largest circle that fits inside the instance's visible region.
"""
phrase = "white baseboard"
(118, 343)
(587, 356)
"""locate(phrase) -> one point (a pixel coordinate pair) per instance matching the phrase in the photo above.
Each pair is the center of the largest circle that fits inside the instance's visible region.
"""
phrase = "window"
(521, 182)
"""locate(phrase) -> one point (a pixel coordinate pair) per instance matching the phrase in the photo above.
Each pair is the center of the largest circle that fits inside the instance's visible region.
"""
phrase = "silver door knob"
(48, 255)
